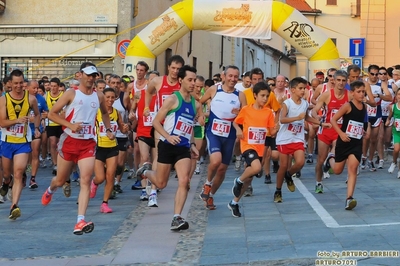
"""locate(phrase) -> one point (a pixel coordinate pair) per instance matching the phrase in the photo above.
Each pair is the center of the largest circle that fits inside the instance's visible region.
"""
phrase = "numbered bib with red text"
(103, 129)
(16, 130)
(86, 129)
(355, 129)
(256, 135)
(148, 120)
(295, 127)
(183, 127)
(221, 128)
(340, 120)
(385, 111)
(371, 111)
(397, 124)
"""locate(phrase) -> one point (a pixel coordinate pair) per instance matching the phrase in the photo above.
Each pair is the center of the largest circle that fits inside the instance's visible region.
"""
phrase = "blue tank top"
(180, 121)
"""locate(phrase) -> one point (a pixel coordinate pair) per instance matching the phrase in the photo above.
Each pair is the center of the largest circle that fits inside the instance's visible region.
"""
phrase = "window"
(194, 62)
(210, 70)
(331, 2)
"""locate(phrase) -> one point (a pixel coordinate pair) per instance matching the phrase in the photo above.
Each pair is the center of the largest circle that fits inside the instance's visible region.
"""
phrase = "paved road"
(289, 233)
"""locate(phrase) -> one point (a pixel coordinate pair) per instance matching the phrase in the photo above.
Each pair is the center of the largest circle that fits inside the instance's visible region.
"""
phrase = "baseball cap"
(89, 70)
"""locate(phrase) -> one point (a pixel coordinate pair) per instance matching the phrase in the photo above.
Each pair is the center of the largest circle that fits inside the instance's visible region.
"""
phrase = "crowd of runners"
(100, 126)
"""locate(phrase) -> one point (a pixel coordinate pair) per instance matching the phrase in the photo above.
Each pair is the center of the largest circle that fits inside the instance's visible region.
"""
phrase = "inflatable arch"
(247, 19)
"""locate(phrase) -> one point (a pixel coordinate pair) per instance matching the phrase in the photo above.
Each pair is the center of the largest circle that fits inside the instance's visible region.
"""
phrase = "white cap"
(89, 70)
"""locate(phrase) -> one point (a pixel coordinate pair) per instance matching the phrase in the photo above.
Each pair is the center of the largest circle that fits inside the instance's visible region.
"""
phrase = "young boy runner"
(290, 137)
(349, 143)
(394, 112)
(257, 120)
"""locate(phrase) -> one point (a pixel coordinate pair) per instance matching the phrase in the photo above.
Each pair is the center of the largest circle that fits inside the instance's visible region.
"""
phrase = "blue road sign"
(358, 61)
(357, 47)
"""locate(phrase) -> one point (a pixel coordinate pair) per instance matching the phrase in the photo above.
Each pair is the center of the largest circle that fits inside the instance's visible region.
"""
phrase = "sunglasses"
(382, 73)
(330, 76)
(374, 74)
(271, 84)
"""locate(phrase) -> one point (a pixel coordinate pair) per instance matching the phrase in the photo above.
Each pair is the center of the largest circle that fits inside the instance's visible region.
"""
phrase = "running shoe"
(178, 223)
(28, 168)
(278, 197)
(142, 169)
(237, 187)
(319, 189)
(46, 198)
(143, 196)
(117, 188)
(238, 165)
(392, 167)
(371, 166)
(234, 209)
(268, 179)
(67, 189)
(93, 189)
(4, 189)
(152, 200)
(398, 174)
(310, 158)
(15, 212)
(289, 182)
(380, 164)
(350, 204)
(363, 162)
(54, 172)
(259, 175)
(10, 195)
(205, 192)
(248, 192)
(326, 175)
(275, 167)
(83, 227)
(197, 170)
(104, 208)
(210, 204)
(32, 184)
(75, 176)
(137, 185)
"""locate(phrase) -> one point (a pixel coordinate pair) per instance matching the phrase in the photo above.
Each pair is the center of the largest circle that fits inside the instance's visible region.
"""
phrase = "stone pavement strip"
(288, 233)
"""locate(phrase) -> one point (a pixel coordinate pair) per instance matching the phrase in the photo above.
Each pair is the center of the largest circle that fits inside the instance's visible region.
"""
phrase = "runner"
(35, 144)
(107, 150)
(380, 92)
(331, 101)
(162, 87)
(290, 137)
(225, 105)
(394, 112)
(16, 137)
(78, 143)
(257, 120)
(350, 133)
(176, 145)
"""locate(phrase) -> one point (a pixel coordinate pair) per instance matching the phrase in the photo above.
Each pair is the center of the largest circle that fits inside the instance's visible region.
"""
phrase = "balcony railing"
(355, 9)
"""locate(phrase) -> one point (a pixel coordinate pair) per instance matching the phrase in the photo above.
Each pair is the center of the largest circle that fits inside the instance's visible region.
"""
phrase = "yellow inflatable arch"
(247, 19)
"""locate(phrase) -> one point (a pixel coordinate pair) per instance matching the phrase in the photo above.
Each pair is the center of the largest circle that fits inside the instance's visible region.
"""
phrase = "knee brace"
(119, 170)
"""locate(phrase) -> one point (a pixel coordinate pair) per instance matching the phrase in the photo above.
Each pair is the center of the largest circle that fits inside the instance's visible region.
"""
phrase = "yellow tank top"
(18, 133)
(50, 102)
(102, 140)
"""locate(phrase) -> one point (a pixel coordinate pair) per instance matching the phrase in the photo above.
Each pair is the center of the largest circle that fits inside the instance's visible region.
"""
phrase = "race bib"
(148, 120)
(256, 135)
(183, 127)
(16, 130)
(385, 111)
(295, 127)
(163, 98)
(221, 128)
(355, 129)
(86, 129)
(340, 121)
(397, 124)
(103, 129)
(371, 111)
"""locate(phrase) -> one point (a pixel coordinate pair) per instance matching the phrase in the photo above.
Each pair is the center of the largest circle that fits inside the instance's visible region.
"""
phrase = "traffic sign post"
(357, 47)
(358, 62)
(122, 47)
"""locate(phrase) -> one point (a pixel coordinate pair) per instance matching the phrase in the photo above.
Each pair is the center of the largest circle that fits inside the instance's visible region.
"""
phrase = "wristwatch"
(109, 130)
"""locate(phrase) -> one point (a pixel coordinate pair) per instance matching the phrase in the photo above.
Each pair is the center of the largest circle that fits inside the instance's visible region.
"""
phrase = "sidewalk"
(289, 233)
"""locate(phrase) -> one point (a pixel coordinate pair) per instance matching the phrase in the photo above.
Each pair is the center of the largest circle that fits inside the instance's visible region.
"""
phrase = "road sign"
(122, 47)
(358, 61)
(357, 47)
